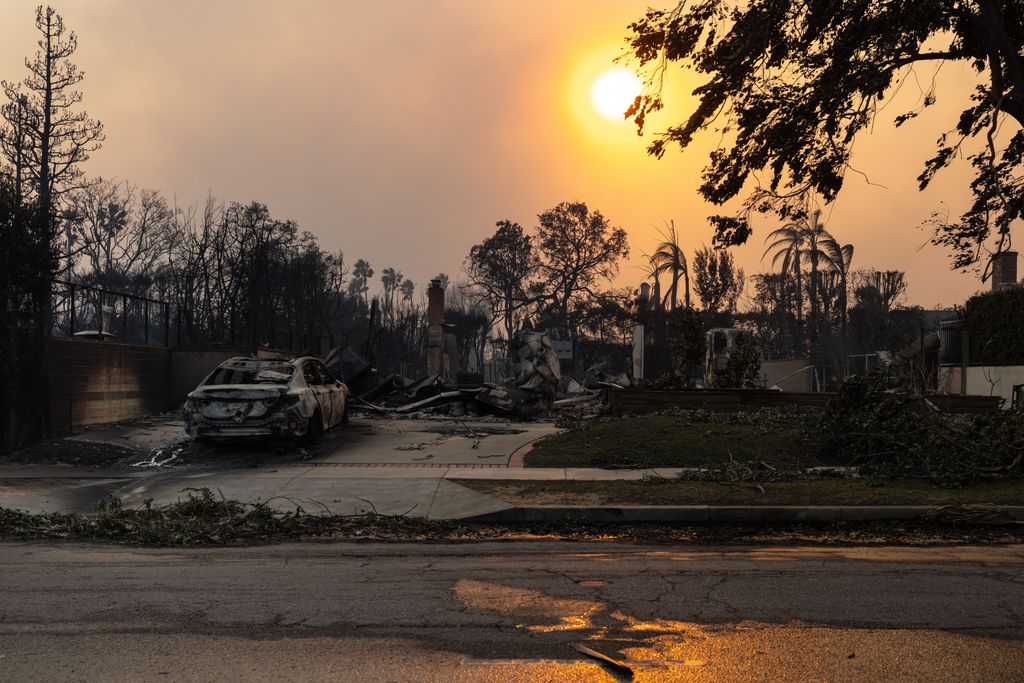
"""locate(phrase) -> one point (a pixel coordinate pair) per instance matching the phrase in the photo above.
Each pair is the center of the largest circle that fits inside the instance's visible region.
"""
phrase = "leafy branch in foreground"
(202, 519)
(890, 429)
(790, 85)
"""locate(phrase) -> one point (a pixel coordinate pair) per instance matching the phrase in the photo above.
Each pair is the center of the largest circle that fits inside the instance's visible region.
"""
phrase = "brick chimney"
(1004, 270)
(435, 329)
(435, 303)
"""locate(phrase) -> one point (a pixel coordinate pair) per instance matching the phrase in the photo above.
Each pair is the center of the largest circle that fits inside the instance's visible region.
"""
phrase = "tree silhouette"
(391, 279)
(125, 234)
(790, 85)
(717, 280)
(669, 256)
(407, 288)
(45, 138)
(359, 285)
(807, 241)
(501, 268)
(577, 247)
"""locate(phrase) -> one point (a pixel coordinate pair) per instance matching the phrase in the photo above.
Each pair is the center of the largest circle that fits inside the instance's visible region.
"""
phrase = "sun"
(614, 91)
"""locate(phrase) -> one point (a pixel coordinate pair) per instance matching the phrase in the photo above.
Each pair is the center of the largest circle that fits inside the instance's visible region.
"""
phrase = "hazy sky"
(400, 132)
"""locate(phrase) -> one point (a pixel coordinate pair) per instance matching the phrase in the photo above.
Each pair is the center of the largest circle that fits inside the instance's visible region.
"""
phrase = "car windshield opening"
(270, 374)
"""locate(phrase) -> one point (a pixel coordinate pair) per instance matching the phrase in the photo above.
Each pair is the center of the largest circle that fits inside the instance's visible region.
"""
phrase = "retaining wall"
(97, 382)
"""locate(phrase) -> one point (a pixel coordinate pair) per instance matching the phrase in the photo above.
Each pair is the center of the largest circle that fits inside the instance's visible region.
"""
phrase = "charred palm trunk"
(686, 282)
(813, 295)
(798, 290)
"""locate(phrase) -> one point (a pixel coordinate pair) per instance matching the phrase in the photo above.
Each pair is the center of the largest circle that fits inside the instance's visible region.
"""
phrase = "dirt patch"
(71, 452)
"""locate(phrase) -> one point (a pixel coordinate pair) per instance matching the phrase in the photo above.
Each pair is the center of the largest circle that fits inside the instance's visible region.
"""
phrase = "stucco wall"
(97, 382)
(995, 380)
(774, 371)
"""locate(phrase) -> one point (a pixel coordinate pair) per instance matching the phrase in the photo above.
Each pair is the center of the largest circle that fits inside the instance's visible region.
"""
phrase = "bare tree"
(45, 140)
(500, 269)
(890, 285)
(50, 139)
(464, 310)
(15, 142)
(125, 234)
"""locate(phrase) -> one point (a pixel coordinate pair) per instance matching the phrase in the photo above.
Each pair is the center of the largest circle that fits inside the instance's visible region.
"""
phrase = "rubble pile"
(532, 392)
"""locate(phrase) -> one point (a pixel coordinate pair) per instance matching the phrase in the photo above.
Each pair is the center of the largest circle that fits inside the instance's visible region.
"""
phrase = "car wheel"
(315, 428)
(344, 415)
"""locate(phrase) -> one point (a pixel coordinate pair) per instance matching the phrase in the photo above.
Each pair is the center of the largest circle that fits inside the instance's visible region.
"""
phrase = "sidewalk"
(398, 467)
(426, 490)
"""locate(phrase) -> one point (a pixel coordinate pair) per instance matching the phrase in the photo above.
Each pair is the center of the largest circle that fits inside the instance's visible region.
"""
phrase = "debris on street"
(201, 518)
(616, 666)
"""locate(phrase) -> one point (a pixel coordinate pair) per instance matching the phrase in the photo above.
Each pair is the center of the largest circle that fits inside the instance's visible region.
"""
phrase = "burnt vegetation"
(203, 518)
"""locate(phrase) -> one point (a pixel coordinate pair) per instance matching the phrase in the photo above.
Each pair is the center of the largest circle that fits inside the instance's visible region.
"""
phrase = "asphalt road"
(510, 611)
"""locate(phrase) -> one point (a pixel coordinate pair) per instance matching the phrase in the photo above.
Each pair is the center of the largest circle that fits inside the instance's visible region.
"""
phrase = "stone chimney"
(1004, 270)
(435, 329)
(435, 303)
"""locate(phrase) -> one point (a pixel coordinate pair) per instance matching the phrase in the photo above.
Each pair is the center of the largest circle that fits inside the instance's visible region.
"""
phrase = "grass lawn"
(811, 492)
(675, 440)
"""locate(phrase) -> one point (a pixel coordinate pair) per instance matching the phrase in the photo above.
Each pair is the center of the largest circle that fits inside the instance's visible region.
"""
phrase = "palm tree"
(391, 279)
(839, 259)
(669, 256)
(360, 283)
(808, 240)
(408, 287)
(788, 248)
(653, 271)
(815, 235)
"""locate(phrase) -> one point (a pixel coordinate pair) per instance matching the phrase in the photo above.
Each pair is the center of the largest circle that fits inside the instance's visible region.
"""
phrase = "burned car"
(262, 397)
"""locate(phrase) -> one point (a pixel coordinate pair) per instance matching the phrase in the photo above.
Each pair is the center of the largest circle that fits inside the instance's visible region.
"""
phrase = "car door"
(339, 392)
(321, 393)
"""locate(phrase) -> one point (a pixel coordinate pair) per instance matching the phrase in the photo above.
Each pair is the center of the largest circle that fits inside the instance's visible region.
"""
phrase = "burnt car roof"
(246, 362)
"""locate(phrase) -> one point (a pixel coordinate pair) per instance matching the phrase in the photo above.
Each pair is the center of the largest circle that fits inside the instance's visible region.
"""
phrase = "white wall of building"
(982, 380)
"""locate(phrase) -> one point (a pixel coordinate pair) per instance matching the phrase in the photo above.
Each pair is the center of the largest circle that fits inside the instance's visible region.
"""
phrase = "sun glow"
(614, 91)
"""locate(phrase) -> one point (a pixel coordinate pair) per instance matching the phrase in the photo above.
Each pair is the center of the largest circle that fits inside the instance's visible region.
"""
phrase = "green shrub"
(995, 323)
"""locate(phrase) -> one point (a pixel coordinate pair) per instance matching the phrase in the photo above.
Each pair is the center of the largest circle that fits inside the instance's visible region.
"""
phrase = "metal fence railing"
(84, 311)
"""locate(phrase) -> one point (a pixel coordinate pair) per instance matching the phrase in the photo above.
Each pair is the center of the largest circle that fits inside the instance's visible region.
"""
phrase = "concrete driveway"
(372, 465)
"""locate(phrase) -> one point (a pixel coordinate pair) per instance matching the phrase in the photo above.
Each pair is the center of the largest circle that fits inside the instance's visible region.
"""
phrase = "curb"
(713, 514)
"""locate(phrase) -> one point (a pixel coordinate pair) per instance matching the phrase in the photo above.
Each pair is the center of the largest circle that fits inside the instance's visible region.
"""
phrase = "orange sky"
(400, 132)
